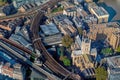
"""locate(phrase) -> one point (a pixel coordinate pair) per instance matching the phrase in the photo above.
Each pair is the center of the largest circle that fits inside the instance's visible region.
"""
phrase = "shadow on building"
(110, 10)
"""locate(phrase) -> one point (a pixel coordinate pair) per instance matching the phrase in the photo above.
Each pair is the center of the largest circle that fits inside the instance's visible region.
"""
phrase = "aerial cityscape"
(59, 39)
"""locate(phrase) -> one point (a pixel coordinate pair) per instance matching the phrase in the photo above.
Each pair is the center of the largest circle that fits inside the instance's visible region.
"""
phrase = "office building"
(113, 67)
(78, 22)
(50, 34)
(17, 73)
(7, 70)
(59, 18)
(115, 40)
(101, 14)
(66, 4)
(103, 31)
(49, 29)
(67, 28)
(70, 12)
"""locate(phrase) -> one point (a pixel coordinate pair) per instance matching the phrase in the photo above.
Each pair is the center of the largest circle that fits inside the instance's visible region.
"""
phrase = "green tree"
(118, 49)
(67, 41)
(80, 31)
(66, 62)
(101, 73)
(107, 51)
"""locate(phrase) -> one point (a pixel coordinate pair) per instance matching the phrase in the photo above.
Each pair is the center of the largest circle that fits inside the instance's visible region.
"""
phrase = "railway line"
(50, 61)
(18, 46)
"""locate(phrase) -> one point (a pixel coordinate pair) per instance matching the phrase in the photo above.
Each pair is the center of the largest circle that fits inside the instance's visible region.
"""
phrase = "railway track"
(50, 61)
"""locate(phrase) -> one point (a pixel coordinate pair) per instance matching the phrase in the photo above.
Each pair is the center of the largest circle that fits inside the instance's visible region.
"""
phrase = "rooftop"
(100, 11)
(71, 9)
(49, 29)
(114, 62)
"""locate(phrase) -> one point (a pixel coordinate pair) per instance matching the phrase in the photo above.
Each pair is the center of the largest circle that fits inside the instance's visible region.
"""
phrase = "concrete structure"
(115, 40)
(103, 31)
(66, 4)
(6, 70)
(53, 39)
(2, 13)
(18, 73)
(78, 22)
(82, 61)
(113, 67)
(67, 28)
(18, 3)
(50, 34)
(59, 18)
(101, 14)
(21, 40)
(26, 7)
(70, 12)
(81, 12)
(86, 46)
(49, 29)
(88, 1)
(12, 72)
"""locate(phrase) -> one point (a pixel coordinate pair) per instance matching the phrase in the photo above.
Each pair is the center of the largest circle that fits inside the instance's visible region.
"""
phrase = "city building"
(21, 40)
(103, 31)
(90, 20)
(18, 73)
(49, 29)
(115, 40)
(2, 13)
(88, 1)
(7, 70)
(113, 67)
(77, 45)
(18, 3)
(66, 4)
(50, 34)
(52, 39)
(78, 22)
(83, 61)
(59, 18)
(86, 46)
(67, 28)
(70, 12)
(14, 72)
(81, 12)
(26, 7)
(101, 14)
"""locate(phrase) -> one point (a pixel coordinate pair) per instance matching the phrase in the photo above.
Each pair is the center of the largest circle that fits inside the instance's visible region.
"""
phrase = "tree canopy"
(107, 51)
(118, 49)
(80, 31)
(2, 2)
(67, 41)
(101, 73)
(65, 60)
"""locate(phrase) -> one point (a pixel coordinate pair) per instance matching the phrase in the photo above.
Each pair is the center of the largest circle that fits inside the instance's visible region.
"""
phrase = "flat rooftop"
(49, 29)
(114, 62)
(100, 11)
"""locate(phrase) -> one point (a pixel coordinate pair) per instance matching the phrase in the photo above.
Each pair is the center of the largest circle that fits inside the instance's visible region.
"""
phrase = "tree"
(107, 51)
(66, 62)
(118, 49)
(80, 31)
(101, 73)
(67, 41)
